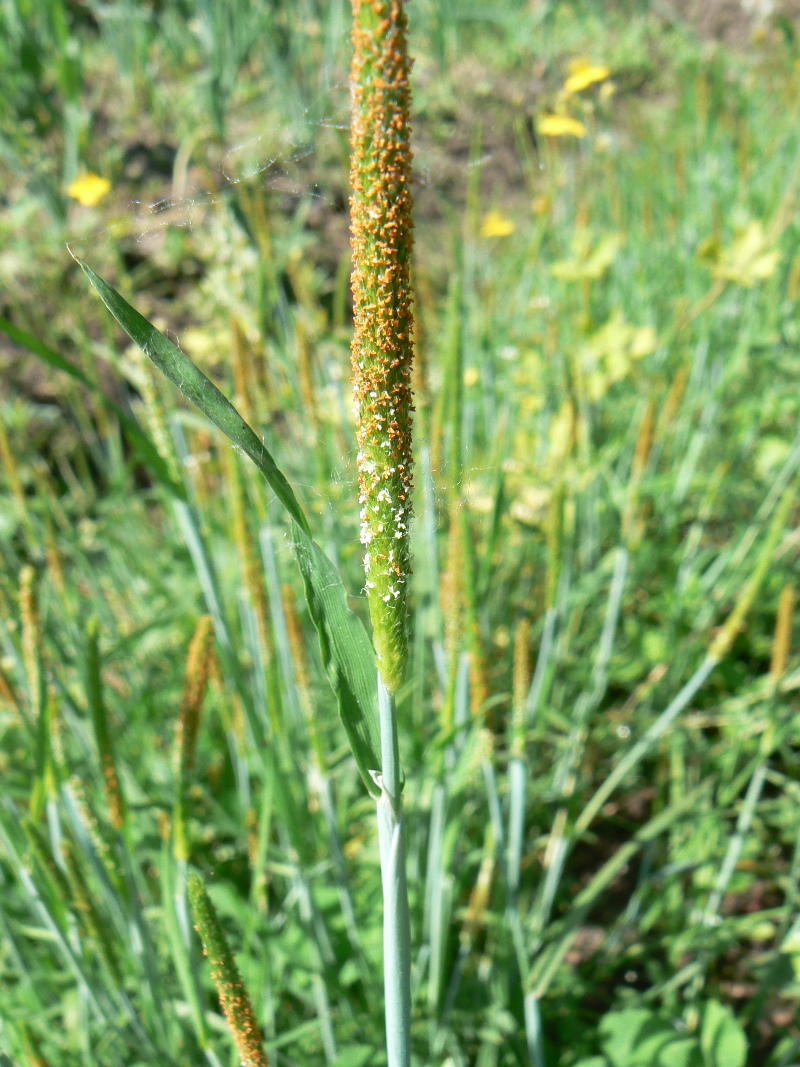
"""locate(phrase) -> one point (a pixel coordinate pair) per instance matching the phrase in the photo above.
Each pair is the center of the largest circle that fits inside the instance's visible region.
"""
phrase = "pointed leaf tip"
(197, 388)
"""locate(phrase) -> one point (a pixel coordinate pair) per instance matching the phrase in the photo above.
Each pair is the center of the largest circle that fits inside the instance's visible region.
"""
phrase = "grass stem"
(396, 925)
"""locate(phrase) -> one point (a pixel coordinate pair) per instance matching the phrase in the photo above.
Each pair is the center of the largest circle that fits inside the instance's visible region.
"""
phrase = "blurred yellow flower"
(471, 376)
(530, 507)
(612, 351)
(89, 189)
(751, 257)
(585, 76)
(561, 126)
(588, 263)
(561, 434)
(578, 63)
(496, 225)
(644, 342)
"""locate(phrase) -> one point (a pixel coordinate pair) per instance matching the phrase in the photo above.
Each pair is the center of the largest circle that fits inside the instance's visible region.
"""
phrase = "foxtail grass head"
(198, 669)
(225, 975)
(381, 238)
(31, 637)
(103, 733)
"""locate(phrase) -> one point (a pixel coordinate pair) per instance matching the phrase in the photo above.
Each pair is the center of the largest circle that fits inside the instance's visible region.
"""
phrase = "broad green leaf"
(640, 1038)
(43, 780)
(148, 452)
(622, 1031)
(346, 649)
(722, 1039)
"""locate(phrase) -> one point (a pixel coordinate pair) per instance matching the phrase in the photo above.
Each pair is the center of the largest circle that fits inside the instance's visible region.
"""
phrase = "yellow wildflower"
(644, 342)
(496, 225)
(578, 64)
(561, 435)
(471, 376)
(89, 189)
(585, 76)
(561, 126)
(610, 353)
(530, 507)
(588, 263)
(750, 257)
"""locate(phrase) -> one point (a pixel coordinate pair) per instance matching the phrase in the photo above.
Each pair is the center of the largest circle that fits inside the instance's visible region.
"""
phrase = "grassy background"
(607, 430)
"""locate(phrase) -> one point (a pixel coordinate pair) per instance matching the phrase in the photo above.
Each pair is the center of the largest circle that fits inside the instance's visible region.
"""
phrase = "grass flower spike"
(382, 347)
(198, 668)
(380, 209)
(31, 638)
(102, 729)
(225, 974)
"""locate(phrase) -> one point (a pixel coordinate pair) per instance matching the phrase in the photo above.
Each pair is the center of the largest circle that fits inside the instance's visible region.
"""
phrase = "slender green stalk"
(41, 709)
(396, 926)
(91, 920)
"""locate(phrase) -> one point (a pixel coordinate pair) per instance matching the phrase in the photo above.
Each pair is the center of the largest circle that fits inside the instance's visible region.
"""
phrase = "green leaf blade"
(198, 389)
(722, 1038)
(147, 451)
(636, 1037)
(345, 647)
(347, 655)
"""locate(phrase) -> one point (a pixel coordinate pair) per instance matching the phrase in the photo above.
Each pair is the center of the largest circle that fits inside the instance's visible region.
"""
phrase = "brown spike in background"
(781, 644)
(198, 669)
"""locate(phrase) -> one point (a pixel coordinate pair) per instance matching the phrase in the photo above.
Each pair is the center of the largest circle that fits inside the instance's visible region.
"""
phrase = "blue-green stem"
(396, 927)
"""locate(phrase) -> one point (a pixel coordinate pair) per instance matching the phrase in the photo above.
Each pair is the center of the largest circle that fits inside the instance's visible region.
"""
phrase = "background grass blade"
(139, 439)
